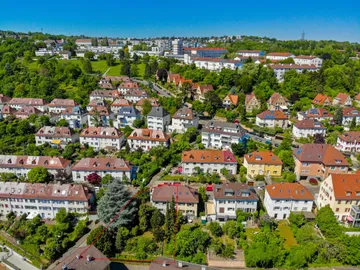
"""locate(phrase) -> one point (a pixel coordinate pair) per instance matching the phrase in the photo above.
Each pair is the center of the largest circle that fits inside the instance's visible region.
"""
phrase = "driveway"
(314, 190)
(19, 262)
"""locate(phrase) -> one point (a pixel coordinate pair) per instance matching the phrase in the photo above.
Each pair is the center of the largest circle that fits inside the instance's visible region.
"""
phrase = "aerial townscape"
(161, 153)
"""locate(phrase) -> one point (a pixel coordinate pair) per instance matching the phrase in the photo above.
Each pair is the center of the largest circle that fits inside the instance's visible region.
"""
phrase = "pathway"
(106, 71)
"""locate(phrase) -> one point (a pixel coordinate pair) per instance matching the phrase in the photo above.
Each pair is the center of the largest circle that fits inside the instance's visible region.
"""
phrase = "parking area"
(314, 189)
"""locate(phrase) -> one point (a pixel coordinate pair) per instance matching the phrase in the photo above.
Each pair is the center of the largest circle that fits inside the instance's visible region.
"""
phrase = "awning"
(56, 141)
(349, 218)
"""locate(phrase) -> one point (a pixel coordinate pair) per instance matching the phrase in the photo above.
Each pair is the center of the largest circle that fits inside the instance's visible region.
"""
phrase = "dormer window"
(95, 164)
(108, 164)
(9, 161)
(348, 193)
(202, 157)
(21, 161)
(258, 158)
(337, 161)
(46, 162)
(33, 162)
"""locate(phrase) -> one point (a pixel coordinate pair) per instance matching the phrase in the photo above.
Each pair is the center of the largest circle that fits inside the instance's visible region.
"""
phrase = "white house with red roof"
(349, 142)
(308, 60)
(147, 138)
(38, 103)
(342, 99)
(56, 136)
(308, 127)
(108, 138)
(279, 56)
(58, 105)
(183, 119)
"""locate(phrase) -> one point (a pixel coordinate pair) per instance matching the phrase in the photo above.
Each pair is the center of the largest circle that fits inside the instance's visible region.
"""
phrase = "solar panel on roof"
(313, 111)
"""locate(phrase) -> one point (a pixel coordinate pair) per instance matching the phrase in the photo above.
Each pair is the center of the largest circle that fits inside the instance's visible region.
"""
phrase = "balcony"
(354, 216)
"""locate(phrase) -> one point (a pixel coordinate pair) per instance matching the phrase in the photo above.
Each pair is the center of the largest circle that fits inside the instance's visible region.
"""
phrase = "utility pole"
(303, 35)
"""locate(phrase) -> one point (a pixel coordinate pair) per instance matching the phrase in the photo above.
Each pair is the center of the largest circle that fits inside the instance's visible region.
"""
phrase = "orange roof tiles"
(182, 194)
(350, 136)
(263, 157)
(272, 115)
(342, 97)
(320, 99)
(346, 186)
(234, 99)
(146, 134)
(290, 191)
(208, 156)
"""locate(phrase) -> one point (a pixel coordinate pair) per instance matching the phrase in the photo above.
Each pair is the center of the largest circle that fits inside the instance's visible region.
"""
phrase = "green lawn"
(250, 232)
(286, 232)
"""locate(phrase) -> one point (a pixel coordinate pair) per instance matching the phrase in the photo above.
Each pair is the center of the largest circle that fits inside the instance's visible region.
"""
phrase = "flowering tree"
(94, 179)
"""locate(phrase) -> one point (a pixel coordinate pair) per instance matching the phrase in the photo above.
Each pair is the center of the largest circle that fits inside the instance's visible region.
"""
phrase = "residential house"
(158, 118)
(202, 90)
(183, 119)
(279, 56)
(147, 138)
(118, 104)
(128, 86)
(230, 100)
(102, 138)
(187, 199)
(43, 199)
(116, 167)
(342, 193)
(38, 103)
(342, 99)
(58, 105)
(126, 117)
(74, 116)
(318, 161)
(251, 53)
(173, 78)
(4, 100)
(83, 42)
(262, 163)
(283, 198)
(319, 114)
(153, 101)
(219, 135)
(93, 104)
(55, 136)
(251, 103)
(349, 114)
(22, 113)
(108, 95)
(209, 161)
(135, 95)
(278, 102)
(272, 119)
(357, 100)
(230, 197)
(308, 60)
(281, 69)
(99, 116)
(349, 141)
(322, 100)
(21, 165)
(308, 127)
(66, 55)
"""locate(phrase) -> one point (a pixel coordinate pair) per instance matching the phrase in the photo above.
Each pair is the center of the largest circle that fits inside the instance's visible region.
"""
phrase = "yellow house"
(262, 163)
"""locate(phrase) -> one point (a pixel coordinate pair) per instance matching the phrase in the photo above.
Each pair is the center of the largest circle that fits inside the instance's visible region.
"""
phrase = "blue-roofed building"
(126, 117)
(74, 116)
(272, 119)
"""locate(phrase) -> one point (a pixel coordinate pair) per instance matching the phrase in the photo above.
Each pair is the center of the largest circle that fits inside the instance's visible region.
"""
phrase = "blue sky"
(282, 19)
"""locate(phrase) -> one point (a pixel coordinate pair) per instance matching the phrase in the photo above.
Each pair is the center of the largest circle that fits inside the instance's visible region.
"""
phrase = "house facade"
(322, 100)
(126, 117)
(342, 99)
(349, 141)
(319, 114)
(55, 136)
(251, 103)
(230, 100)
(102, 138)
(38, 103)
(349, 114)
(118, 104)
(74, 116)
(262, 163)
(272, 119)
(147, 138)
(308, 60)
(158, 118)
(59, 105)
(277, 102)
(308, 127)
(183, 119)
(99, 116)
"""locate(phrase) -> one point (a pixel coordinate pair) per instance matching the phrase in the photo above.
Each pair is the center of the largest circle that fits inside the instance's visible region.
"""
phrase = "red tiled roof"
(121, 102)
(351, 112)
(208, 156)
(101, 132)
(275, 97)
(183, 194)
(342, 97)
(309, 124)
(290, 191)
(101, 164)
(346, 186)
(249, 97)
(154, 102)
(350, 136)
(237, 191)
(33, 161)
(205, 88)
(54, 132)
(234, 99)
(279, 54)
(102, 110)
(263, 157)
(62, 102)
(27, 101)
(320, 99)
(272, 115)
(184, 113)
(145, 134)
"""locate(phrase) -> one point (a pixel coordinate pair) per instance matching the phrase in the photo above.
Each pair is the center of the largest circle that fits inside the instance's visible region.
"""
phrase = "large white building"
(208, 161)
(59, 105)
(147, 138)
(177, 47)
(158, 118)
(102, 138)
(183, 119)
(308, 60)
(279, 56)
(135, 95)
(281, 69)
(205, 52)
(43, 199)
(56, 136)
(349, 142)
(250, 53)
(116, 167)
(220, 135)
(230, 197)
(308, 127)
(126, 117)
(283, 198)
(38, 103)
(272, 119)
(21, 165)
(213, 64)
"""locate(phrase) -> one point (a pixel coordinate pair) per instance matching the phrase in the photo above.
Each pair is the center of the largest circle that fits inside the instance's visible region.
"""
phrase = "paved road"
(157, 88)
(19, 262)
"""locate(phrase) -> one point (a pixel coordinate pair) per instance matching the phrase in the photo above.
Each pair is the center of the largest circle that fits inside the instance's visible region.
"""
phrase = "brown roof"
(237, 191)
(102, 110)
(129, 85)
(62, 102)
(290, 191)
(357, 97)
(98, 262)
(208, 156)
(27, 101)
(234, 99)
(346, 186)
(309, 124)
(275, 97)
(137, 93)
(146, 134)
(320, 99)
(249, 97)
(101, 132)
(4, 99)
(342, 97)
(33, 161)
(154, 102)
(350, 136)
(183, 194)
(105, 93)
(317, 112)
(351, 112)
(173, 76)
(320, 153)
(55, 132)
(97, 102)
(184, 113)
(272, 115)
(205, 88)
(279, 54)
(101, 164)
(25, 110)
(116, 78)
(121, 102)
(263, 157)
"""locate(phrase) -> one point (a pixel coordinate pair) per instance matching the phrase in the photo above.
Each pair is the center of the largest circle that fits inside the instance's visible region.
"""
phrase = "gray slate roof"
(158, 112)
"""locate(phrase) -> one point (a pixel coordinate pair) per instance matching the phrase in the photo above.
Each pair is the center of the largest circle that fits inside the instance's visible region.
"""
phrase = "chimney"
(89, 258)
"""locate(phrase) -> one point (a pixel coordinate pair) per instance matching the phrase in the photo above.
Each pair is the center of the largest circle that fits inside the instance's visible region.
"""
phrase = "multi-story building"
(38, 103)
(183, 119)
(342, 99)
(349, 142)
(83, 42)
(322, 100)
(100, 116)
(158, 118)
(128, 86)
(251, 103)
(59, 105)
(215, 64)
(251, 53)
(56, 136)
(126, 117)
(108, 95)
(135, 95)
(147, 138)
(272, 119)
(209, 161)
(94, 104)
(116, 167)
(202, 90)
(22, 113)
(153, 101)
(205, 52)
(102, 138)
(118, 104)
(277, 102)
(186, 198)
(318, 161)
(220, 135)
(262, 163)
(349, 114)
(43, 199)
(308, 127)
(177, 47)
(308, 60)
(231, 100)
(319, 114)
(281, 69)
(279, 56)
(21, 165)
(342, 193)
(230, 197)
(283, 198)
(74, 116)
(109, 82)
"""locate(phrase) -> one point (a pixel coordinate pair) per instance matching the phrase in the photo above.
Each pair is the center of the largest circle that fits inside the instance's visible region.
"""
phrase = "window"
(337, 210)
